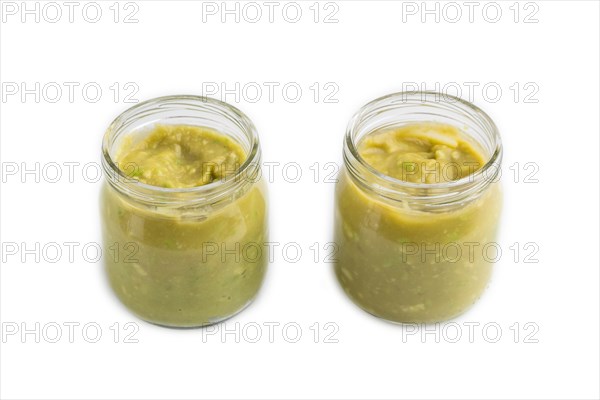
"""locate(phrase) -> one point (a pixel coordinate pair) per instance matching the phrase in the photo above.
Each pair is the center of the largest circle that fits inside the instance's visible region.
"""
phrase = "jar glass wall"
(411, 251)
(184, 257)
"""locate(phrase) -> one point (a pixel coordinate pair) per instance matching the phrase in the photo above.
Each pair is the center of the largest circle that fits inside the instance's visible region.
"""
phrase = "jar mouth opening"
(188, 102)
(422, 98)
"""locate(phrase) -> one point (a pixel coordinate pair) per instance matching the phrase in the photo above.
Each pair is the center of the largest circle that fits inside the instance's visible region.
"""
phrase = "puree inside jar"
(421, 153)
(180, 156)
(402, 262)
(190, 265)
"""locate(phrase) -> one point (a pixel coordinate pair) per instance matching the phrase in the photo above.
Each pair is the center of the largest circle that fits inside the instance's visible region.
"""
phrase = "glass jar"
(417, 252)
(184, 257)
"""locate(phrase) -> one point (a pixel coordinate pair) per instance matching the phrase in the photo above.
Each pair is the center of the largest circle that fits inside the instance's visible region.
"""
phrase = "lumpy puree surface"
(421, 153)
(180, 156)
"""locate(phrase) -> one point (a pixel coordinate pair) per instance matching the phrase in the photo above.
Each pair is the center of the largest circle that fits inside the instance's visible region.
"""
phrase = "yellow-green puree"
(172, 266)
(407, 264)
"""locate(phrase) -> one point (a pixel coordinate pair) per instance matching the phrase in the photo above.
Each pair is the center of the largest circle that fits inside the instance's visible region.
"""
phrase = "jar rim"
(402, 97)
(184, 101)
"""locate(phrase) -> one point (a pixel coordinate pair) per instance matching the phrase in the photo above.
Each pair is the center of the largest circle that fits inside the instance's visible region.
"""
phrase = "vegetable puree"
(402, 262)
(181, 265)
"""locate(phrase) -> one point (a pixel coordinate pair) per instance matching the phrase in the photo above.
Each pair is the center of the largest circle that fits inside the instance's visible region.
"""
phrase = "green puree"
(189, 265)
(403, 263)
(421, 153)
(180, 156)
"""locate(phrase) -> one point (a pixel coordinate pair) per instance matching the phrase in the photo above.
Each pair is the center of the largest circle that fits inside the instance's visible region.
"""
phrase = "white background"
(374, 49)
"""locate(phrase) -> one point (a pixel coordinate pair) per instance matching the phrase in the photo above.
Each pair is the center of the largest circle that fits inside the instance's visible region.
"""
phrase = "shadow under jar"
(412, 251)
(184, 257)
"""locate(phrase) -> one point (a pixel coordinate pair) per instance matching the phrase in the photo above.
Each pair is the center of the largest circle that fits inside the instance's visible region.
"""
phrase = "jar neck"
(406, 108)
(183, 110)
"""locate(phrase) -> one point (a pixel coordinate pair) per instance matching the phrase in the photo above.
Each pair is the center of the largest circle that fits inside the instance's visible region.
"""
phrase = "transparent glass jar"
(184, 257)
(417, 252)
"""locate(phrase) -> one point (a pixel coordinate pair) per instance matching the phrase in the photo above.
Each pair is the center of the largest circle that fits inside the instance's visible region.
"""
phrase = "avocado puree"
(180, 156)
(421, 153)
(403, 263)
(184, 267)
